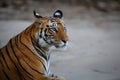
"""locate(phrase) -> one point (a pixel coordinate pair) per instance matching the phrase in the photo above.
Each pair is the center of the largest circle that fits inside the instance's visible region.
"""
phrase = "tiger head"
(51, 30)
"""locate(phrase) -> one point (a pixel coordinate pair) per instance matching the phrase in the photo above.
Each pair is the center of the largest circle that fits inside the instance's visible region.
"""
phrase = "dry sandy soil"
(93, 52)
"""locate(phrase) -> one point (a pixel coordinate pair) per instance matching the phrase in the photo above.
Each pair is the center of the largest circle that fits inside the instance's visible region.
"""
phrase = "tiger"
(26, 56)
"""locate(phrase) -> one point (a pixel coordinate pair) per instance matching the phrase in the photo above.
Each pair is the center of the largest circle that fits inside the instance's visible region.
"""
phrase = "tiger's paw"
(55, 76)
(60, 78)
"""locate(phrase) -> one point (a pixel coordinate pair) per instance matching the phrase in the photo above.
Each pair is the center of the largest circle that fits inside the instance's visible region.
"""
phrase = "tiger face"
(52, 30)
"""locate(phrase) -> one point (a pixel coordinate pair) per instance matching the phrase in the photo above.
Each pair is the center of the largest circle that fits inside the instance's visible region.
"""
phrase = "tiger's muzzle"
(60, 44)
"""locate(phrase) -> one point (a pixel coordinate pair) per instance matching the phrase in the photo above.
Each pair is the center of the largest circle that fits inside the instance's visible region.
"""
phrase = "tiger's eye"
(53, 29)
(53, 24)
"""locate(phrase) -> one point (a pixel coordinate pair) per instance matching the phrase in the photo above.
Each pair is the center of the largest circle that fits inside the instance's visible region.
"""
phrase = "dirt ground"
(93, 52)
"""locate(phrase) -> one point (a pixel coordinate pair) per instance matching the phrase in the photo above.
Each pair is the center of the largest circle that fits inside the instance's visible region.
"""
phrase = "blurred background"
(12, 8)
(93, 28)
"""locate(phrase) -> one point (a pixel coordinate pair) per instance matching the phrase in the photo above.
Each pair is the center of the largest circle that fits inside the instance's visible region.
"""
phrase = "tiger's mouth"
(60, 44)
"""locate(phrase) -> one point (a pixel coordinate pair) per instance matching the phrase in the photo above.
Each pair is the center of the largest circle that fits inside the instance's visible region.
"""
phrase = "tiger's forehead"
(53, 19)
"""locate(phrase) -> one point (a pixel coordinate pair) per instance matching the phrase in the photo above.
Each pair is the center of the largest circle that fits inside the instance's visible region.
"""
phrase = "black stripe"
(40, 53)
(10, 57)
(46, 41)
(1, 60)
(5, 61)
(1, 64)
(38, 49)
(0, 51)
(36, 44)
(25, 45)
(25, 55)
(45, 30)
(29, 48)
(33, 68)
(6, 75)
(12, 60)
(21, 51)
(16, 58)
(28, 76)
(20, 38)
(19, 62)
(41, 33)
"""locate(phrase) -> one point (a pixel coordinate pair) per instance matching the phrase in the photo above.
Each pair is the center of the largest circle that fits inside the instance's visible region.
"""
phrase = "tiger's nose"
(64, 41)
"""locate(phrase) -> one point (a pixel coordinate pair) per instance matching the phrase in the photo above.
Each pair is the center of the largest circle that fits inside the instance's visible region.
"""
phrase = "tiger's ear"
(58, 14)
(36, 14)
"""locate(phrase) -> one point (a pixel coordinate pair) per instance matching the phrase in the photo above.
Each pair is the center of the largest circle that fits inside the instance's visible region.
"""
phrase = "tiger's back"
(17, 64)
(26, 56)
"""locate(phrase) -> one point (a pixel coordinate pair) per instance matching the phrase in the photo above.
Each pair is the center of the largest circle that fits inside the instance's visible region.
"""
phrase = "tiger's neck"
(31, 42)
(41, 50)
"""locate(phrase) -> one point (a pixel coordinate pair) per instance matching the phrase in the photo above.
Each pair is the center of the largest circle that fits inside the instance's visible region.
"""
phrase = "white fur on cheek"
(42, 43)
